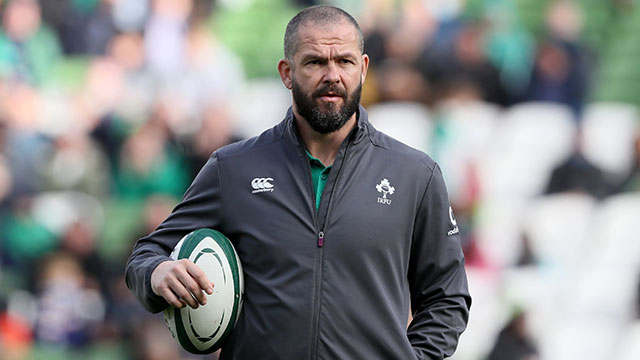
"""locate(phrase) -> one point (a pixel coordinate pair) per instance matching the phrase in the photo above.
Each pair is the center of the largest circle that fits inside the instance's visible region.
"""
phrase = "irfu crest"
(385, 188)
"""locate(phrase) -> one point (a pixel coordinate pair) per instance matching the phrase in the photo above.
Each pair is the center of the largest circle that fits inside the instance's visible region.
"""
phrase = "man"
(354, 229)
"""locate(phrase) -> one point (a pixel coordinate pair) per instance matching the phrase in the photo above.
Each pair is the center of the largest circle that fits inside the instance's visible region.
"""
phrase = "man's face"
(326, 75)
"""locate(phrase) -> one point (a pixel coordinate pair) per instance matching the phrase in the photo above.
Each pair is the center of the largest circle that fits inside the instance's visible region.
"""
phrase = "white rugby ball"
(205, 329)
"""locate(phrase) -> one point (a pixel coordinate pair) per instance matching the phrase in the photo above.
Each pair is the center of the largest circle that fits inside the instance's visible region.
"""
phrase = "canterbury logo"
(262, 185)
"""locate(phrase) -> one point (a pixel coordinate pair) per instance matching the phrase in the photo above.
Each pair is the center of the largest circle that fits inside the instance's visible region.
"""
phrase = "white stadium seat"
(261, 104)
(468, 129)
(499, 230)
(535, 292)
(630, 343)
(580, 338)
(616, 232)
(57, 210)
(530, 140)
(599, 302)
(559, 228)
(608, 133)
(407, 122)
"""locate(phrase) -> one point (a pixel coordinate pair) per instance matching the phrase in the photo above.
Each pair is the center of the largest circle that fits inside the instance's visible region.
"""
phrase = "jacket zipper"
(315, 321)
(318, 268)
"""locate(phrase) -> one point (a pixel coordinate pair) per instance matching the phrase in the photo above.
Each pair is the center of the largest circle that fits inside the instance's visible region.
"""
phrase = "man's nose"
(332, 73)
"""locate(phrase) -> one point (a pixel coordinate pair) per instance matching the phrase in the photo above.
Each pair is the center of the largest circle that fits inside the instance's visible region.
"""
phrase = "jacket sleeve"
(200, 208)
(440, 299)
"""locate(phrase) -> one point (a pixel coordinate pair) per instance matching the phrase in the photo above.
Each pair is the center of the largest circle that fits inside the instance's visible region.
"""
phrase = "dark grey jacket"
(332, 284)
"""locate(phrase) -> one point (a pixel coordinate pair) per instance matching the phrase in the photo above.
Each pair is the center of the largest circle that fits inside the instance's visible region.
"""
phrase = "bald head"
(321, 16)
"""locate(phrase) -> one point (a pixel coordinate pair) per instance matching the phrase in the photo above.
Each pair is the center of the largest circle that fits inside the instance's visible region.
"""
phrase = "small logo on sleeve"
(386, 189)
(262, 185)
(454, 222)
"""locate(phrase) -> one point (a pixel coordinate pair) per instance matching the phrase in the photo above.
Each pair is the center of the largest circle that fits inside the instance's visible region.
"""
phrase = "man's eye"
(346, 61)
(313, 62)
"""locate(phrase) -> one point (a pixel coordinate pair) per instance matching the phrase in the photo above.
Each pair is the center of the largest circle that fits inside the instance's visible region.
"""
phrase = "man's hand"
(181, 282)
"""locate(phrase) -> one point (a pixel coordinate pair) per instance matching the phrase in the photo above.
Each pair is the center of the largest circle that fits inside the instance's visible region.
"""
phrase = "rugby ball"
(205, 329)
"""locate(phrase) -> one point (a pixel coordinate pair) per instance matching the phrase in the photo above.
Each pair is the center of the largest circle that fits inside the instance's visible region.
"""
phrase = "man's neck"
(324, 147)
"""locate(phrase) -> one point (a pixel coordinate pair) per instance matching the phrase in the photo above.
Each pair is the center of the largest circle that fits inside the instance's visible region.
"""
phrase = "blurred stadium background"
(109, 107)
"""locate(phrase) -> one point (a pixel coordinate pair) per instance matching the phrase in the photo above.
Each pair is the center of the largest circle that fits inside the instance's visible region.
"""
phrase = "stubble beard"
(328, 117)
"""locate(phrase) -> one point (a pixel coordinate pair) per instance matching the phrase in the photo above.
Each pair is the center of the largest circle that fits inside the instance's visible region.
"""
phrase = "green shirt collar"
(319, 176)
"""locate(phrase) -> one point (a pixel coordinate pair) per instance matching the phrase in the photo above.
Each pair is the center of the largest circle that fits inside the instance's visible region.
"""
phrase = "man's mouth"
(330, 96)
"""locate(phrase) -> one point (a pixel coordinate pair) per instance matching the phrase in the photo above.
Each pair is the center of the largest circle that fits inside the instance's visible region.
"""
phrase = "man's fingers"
(171, 298)
(200, 277)
(190, 283)
(181, 282)
(183, 293)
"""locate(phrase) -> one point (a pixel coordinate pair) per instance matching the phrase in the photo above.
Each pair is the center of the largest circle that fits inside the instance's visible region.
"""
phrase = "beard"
(329, 117)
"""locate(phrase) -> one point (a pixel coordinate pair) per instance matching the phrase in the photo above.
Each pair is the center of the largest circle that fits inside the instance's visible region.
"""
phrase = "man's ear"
(365, 67)
(284, 69)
